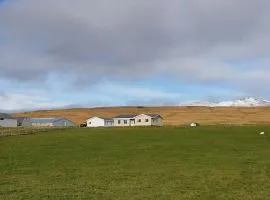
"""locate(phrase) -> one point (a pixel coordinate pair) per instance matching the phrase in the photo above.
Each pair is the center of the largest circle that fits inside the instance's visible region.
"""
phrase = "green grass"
(137, 163)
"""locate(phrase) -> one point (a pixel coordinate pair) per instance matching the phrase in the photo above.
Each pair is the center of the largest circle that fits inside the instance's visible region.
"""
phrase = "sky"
(88, 53)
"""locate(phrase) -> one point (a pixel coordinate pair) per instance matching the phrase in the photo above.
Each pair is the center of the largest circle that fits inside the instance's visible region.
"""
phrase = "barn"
(47, 122)
(7, 120)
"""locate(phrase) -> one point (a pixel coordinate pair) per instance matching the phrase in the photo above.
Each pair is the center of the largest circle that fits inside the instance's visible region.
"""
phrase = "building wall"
(26, 123)
(116, 122)
(41, 124)
(143, 120)
(8, 123)
(157, 122)
(109, 123)
(95, 122)
(63, 123)
(140, 120)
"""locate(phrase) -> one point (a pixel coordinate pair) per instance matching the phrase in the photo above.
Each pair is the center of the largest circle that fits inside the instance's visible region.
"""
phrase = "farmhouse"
(124, 120)
(99, 122)
(138, 120)
(7, 121)
(47, 122)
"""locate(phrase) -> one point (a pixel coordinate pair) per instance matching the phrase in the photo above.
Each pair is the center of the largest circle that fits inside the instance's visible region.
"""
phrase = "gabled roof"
(126, 116)
(5, 116)
(135, 115)
(108, 119)
(20, 119)
(45, 120)
(155, 115)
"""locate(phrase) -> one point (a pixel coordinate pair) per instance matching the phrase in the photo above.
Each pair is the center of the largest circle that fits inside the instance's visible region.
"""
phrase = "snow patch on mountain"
(245, 102)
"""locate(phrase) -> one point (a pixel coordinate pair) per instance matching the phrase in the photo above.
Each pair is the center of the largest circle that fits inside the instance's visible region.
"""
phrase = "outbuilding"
(7, 120)
(47, 122)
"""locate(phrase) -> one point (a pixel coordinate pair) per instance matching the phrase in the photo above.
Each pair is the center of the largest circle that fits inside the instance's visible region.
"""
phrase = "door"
(132, 122)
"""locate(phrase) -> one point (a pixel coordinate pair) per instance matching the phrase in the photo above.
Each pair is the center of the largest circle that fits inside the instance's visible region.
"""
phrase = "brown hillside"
(172, 115)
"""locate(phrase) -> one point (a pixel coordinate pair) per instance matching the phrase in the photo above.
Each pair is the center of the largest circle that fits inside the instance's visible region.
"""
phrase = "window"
(125, 121)
(146, 120)
(119, 121)
(139, 120)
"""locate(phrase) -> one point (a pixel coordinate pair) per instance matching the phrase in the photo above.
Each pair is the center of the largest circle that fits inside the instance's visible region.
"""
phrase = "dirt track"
(172, 115)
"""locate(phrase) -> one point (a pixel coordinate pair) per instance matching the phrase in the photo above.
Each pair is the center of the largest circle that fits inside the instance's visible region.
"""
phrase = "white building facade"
(99, 122)
(138, 120)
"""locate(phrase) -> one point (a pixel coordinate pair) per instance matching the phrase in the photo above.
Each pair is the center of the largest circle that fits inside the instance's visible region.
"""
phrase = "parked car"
(83, 124)
(194, 124)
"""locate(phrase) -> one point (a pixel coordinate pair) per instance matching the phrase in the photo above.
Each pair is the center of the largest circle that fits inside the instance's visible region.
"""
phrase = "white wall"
(8, 123)
(95, 122)
(140, 120)
(122, 122)
(157, 122)
(143, 120)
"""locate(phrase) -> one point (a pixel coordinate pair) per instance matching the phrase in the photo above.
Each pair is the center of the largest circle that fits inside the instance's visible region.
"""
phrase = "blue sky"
(90, 53)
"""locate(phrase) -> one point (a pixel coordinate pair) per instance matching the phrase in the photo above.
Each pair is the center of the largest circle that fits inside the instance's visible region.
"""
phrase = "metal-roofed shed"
(7, 120)
(47, 122)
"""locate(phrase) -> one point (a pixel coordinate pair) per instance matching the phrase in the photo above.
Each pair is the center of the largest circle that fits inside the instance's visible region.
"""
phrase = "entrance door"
(132, 122)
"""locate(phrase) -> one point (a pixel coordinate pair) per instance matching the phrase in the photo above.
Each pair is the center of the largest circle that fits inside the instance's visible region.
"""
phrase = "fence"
(4, 132)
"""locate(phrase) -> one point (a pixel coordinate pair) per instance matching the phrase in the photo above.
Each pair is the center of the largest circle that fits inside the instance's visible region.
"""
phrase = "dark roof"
(135, 115)
(5, 116)
(20, 119)
(154, 115)
(107, 119)
(125, 116)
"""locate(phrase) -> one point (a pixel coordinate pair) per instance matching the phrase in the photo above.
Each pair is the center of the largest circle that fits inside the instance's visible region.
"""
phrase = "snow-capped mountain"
(245, 102)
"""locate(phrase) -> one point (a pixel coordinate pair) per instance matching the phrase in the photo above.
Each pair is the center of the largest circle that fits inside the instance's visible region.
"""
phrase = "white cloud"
(192, 41)
(128, 38)
(18, 102)
(136, 92)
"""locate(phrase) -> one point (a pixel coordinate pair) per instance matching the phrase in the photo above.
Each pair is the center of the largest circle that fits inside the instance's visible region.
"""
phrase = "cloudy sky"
(125, 52)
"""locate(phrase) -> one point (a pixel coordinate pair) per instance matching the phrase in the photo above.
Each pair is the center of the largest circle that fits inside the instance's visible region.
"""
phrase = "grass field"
(5, 132)
(137, 163)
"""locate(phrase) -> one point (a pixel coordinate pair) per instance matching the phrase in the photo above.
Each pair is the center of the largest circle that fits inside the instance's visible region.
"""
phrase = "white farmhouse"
(138, 120)
(99, 122)
(148, 120)
(124, 120)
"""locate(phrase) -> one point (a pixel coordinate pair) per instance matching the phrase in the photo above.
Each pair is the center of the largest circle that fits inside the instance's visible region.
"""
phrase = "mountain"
(245, 102)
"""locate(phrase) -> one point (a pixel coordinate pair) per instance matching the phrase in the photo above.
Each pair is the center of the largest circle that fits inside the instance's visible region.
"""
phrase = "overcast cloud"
(195, 41)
